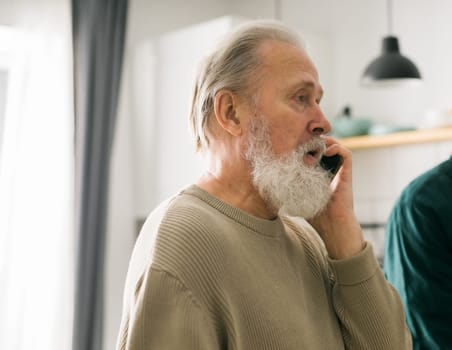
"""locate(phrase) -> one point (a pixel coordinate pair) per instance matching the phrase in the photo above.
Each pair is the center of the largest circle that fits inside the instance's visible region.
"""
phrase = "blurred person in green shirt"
(418, 256)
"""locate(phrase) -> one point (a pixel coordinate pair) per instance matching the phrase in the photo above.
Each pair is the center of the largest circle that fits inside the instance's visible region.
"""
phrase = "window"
(36, 189)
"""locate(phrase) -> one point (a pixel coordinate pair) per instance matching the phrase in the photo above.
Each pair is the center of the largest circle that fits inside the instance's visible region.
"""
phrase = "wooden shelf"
(398, 139)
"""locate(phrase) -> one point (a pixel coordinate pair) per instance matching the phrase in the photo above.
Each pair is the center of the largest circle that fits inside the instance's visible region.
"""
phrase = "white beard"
(286, 183)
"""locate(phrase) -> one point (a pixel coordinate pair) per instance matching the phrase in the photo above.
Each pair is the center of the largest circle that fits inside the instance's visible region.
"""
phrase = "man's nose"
(320, 125)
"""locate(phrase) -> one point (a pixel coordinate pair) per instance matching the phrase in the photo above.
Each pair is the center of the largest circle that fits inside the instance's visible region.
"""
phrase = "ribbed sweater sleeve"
(369, 308)
(167, 316)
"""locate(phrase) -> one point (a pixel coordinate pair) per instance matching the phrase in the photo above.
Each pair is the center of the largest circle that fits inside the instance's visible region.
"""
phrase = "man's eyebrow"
(306, 84)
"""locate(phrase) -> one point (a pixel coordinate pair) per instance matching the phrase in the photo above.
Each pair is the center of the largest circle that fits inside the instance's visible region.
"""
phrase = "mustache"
(316, 147)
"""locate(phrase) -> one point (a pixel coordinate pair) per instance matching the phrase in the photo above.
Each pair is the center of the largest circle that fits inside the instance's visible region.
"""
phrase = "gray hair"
(234, 66)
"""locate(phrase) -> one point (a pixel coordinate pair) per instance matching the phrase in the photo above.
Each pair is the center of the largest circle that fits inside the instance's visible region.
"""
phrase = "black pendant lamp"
(391, 68)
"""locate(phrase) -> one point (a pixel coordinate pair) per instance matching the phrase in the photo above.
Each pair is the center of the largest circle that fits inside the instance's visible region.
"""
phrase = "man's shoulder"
(183, 229)
(177, 240)
(433, 185)
(178, 237)
(186, 210)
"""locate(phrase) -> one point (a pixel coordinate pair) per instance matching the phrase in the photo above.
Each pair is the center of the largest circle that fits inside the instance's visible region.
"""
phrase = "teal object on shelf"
(347, 126)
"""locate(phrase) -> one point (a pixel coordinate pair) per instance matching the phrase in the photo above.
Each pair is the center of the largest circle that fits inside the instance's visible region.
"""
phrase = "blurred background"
(152, 156)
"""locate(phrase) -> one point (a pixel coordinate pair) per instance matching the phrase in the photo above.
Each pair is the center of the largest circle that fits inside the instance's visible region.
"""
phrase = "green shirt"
(418, 256)
(205, 275)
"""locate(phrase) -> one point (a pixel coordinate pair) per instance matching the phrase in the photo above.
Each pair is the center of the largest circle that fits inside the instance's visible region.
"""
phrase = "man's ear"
(225, 108)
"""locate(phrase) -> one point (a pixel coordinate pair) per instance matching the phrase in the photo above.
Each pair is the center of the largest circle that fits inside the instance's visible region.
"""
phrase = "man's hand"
(337, 224)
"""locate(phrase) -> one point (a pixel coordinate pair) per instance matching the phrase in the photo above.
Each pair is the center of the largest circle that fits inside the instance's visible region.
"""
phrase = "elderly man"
(230, 262)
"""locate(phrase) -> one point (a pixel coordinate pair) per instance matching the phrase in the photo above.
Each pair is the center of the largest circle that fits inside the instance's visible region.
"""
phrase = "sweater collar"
(266, 227)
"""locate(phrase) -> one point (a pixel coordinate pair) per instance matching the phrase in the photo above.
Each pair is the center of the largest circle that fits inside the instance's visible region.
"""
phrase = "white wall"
(121, 219)
(149, 19)
(343, 37)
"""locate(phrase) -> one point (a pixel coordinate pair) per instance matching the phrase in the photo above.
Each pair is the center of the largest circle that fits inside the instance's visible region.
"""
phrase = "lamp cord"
(389, 10)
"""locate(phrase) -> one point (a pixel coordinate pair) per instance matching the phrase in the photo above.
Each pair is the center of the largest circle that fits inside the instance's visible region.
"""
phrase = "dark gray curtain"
(98, 41)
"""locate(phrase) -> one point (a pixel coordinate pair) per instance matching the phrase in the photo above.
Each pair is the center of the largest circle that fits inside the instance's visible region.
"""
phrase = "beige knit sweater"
(205, 275)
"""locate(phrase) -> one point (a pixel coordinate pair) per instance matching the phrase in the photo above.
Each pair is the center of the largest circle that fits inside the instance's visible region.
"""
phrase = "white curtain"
(36, 176)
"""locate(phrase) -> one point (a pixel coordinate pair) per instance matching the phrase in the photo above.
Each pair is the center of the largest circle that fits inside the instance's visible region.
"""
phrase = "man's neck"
(237, 192)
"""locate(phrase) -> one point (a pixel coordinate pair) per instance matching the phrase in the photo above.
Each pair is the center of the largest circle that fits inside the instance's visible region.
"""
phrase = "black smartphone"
(331, 164)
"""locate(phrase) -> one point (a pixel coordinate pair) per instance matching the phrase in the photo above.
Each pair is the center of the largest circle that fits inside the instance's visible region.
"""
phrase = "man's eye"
(301, 98)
